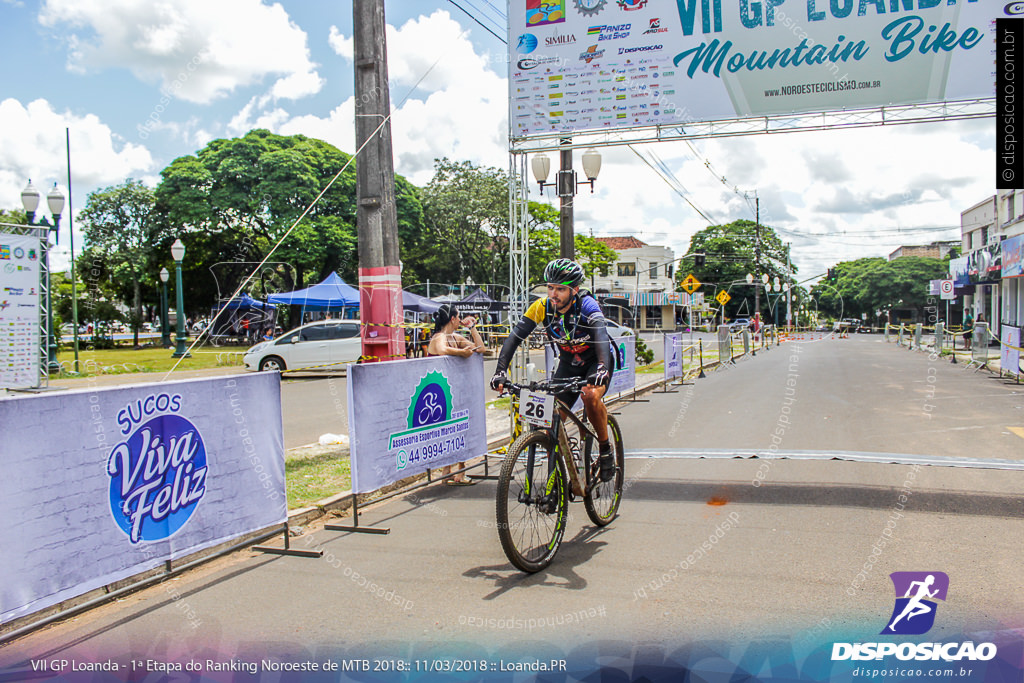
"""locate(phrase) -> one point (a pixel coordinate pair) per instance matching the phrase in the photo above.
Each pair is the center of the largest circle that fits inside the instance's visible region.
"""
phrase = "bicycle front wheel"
(602, 498)
(533, 502)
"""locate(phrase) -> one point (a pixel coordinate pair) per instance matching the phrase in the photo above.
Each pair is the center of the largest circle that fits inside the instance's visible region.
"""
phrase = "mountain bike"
(548, 467)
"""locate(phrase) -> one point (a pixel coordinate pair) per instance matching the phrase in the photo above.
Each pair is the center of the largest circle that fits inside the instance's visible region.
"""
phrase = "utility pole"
(380, 278)
(566, 191)
(789, 289)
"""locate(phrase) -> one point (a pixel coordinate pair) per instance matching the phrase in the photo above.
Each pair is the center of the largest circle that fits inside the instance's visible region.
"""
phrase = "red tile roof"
(620, 243)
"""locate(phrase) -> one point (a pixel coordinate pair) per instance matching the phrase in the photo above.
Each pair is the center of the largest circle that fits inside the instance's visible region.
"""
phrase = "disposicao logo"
(916, 593)
(158, 474)
(914, 614)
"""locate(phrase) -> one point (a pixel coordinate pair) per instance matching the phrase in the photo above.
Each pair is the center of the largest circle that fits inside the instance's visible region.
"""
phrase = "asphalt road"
(797, 550)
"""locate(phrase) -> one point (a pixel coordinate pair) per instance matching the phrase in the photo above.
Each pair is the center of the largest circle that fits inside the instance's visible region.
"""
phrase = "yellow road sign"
(690, 284)
(723, 297)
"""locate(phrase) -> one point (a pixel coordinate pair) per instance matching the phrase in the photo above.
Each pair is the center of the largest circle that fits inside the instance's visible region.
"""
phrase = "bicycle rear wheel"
(533, 502)
(602, 498)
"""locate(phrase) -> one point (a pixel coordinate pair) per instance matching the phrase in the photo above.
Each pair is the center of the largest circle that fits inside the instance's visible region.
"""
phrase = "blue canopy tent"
(330, 295)
(246, 301)
(418, 304)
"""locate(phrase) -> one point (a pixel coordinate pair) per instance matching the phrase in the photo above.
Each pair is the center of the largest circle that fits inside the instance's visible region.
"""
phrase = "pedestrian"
(968, 330)
(445, 341)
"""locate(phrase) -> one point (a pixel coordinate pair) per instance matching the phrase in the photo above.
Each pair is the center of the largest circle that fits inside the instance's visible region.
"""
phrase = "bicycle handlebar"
(548, 386)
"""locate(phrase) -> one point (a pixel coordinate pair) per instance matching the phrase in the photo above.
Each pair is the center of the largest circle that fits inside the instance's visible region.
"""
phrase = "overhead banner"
(593, 64)
(19, 311)
(409, 416)
(102, 484)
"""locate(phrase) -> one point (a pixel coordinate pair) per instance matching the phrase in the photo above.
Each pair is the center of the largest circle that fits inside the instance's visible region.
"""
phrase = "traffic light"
(698, 260)
(831, 275)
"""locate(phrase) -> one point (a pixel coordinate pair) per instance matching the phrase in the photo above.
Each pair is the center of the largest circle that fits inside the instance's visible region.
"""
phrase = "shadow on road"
(573, 552)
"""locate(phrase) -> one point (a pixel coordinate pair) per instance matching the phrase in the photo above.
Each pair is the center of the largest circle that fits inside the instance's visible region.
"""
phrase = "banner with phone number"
(409, 416)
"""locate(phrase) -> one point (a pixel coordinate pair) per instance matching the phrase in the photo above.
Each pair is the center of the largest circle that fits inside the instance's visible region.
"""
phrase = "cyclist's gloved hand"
(499, 379)
(600, 377)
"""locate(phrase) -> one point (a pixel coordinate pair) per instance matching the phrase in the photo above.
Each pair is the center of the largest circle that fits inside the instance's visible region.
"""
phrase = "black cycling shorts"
(566, 370)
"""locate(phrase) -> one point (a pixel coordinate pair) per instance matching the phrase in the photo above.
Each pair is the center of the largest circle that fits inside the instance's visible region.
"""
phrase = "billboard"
(19, 311)
(606, 64)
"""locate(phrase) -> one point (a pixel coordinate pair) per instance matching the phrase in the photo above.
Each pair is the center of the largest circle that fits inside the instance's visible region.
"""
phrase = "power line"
(666, 174)
(474, 18)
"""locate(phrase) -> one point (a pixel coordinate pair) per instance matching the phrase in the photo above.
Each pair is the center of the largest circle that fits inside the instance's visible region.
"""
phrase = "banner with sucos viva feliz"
(102, 484)
(597, 64)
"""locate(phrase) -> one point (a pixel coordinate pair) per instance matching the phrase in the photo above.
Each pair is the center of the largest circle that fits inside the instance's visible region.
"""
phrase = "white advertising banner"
(102, 484)
(595, 64)
(624, 378)
(673, 355)
(1009, 357)
(19, 311)
(409, 416)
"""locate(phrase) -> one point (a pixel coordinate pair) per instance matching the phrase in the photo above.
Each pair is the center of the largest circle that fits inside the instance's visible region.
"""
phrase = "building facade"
(640, 290)
(989, 274)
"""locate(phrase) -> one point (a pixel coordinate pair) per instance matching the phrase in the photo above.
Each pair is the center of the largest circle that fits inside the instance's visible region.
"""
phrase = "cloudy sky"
(140, 83)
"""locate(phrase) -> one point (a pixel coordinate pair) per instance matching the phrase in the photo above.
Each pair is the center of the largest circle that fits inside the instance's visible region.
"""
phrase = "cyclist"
(573, 321)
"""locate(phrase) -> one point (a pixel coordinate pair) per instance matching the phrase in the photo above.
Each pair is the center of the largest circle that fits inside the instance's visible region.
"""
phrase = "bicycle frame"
(562, 448)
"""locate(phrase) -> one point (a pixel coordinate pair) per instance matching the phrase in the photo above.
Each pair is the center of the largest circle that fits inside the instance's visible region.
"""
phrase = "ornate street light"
(55, 202)
(165, 329)
(178, 253)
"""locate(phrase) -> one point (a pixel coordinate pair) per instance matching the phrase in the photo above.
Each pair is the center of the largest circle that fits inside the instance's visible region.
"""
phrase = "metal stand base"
(287, 549)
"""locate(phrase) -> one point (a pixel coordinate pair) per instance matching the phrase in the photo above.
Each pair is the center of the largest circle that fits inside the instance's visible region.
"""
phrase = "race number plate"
(536, 408)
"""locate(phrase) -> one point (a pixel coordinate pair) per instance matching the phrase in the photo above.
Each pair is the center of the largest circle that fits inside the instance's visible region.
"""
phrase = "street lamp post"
(55, 202)
(178, 253)
(566, 187)
(165, 329)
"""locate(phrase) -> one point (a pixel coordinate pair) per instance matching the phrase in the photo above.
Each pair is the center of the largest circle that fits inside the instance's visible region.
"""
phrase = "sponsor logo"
(14, 291)
(591, 53)
(527, 63)
(5, 251)
(609, 31)
(1014, 9)
(158, 474)
(560, 40)
(641, 48)
(655, 27)
(589, 8)
(544, 12)
(19, 253)
(631, 5)
(527, 43)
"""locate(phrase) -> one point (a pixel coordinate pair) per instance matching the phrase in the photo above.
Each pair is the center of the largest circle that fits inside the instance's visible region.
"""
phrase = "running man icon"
(914, 612)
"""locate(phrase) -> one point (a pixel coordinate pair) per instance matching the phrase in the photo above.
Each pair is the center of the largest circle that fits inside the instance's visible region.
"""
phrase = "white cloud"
(196, 48)
(457, 93)
(33, 146)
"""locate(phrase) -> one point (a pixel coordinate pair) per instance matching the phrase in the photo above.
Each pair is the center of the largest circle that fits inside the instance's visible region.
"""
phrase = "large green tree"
(873, 284)
(466, 211)
(123, 231)
(236, 199)
(730, 254)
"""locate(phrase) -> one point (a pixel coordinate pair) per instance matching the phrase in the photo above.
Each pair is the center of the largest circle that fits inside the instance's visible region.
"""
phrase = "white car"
(323, 345)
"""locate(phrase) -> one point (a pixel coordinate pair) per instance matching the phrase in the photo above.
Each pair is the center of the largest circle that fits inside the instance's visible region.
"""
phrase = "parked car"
(739, 324)
(322, 345)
